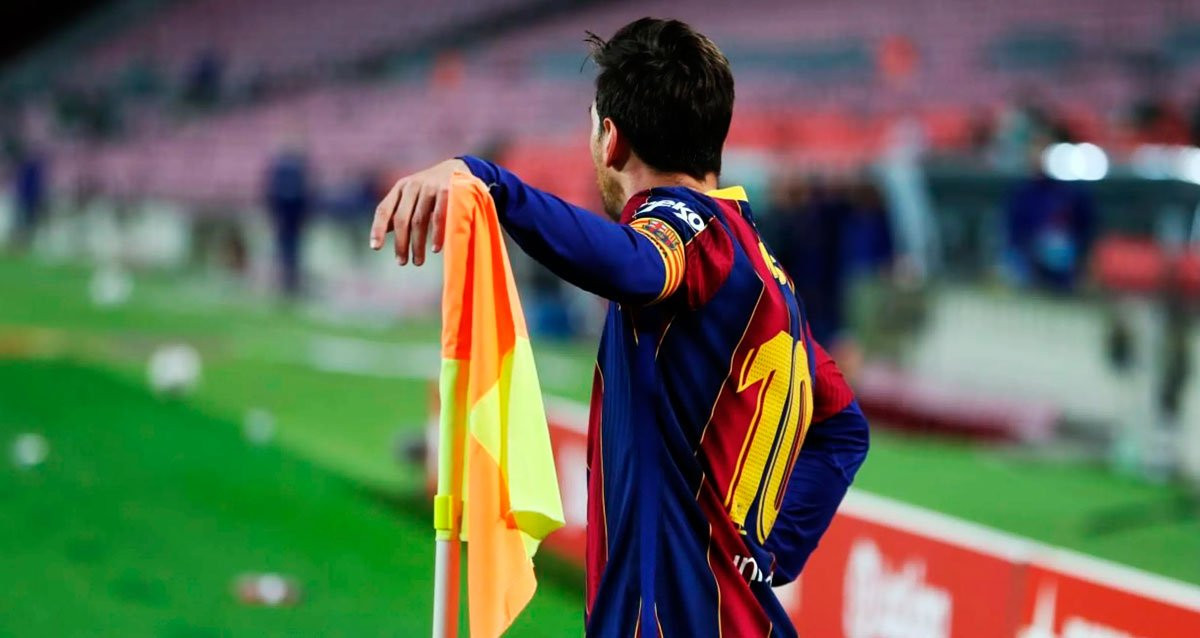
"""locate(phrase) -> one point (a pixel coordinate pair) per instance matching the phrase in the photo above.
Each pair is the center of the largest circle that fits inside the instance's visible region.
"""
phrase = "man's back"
(700, 406)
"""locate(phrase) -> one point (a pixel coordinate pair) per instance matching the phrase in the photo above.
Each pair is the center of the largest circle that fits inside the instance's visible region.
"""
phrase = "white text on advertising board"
(891, 603)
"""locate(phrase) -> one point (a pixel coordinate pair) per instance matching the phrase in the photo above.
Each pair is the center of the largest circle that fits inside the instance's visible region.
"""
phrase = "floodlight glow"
(1188, 165)
(1072, 162)
(1089, 162)
(1058, 161)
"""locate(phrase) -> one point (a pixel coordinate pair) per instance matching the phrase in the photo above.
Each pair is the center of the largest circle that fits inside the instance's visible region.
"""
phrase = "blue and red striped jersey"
(722, 437)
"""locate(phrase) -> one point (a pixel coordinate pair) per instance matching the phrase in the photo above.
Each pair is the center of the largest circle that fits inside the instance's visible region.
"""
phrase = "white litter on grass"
(272, 589)
(30, 450)
(174, 369)
(269, 589)
(110, 286)
(258, 426)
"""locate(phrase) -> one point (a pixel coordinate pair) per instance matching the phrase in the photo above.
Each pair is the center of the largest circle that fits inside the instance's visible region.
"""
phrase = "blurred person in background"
(832, 238)
(1175, 369)
(809, 224)
(550, 311)
(870, 278)
(29, 189)
(869, 245)
(289, 195)
(203, 79)
(1049, 225)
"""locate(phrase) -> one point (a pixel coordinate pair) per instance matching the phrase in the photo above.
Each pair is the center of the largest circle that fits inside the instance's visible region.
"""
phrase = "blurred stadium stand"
(939, 104)
(818, 81)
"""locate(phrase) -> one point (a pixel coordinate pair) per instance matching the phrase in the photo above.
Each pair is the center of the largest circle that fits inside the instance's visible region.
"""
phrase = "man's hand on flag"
(416, 203)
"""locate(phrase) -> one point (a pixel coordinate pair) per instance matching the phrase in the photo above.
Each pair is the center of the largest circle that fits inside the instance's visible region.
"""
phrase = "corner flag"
(497, 486)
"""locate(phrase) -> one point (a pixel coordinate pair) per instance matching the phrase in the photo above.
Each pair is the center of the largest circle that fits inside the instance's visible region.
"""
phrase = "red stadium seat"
(1140, 266)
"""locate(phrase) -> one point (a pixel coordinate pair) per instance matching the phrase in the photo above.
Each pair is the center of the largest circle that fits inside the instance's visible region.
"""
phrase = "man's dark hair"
(669, 90)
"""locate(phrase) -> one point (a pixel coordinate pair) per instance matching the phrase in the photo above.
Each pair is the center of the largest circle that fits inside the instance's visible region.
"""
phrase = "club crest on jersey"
(677, 208)
(659, 230)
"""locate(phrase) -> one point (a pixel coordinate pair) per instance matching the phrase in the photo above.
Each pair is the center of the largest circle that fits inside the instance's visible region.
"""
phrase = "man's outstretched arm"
(612, 260)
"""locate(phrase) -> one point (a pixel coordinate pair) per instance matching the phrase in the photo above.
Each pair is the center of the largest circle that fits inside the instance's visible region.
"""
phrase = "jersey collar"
(736, 193)
(729, 192)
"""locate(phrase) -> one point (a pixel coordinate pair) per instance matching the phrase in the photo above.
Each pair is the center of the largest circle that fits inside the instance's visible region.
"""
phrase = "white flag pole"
(445, 589)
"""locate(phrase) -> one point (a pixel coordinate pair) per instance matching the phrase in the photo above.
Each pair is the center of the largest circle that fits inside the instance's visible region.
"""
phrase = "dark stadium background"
(22, 28)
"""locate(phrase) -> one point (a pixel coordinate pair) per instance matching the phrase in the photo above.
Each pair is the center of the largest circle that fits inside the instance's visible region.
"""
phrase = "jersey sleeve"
(696, 251)
(831, 393)
(615, 261)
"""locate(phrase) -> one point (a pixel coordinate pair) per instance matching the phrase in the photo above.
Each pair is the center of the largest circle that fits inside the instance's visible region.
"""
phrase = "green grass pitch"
(147, 509)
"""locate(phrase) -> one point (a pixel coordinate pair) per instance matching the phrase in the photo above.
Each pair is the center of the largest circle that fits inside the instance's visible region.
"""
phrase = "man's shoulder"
(686, 210)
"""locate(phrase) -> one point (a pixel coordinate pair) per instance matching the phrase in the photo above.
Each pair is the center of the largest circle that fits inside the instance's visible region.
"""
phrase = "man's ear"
(616, 146)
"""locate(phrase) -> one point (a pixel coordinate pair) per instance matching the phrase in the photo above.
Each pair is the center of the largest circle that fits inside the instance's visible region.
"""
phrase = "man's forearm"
(824, 469)
(609, 259)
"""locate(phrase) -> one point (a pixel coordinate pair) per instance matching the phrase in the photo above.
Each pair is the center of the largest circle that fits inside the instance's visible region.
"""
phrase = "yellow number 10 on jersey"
(778, 370)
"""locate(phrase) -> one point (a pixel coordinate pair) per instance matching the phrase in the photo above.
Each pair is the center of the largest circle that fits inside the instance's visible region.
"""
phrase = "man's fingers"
(402, 221)
(383, 216)
(439, 219)
(415, 211)
(422, 214)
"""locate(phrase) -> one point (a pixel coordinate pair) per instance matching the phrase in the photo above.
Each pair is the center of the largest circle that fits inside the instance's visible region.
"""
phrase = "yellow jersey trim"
(730, 192)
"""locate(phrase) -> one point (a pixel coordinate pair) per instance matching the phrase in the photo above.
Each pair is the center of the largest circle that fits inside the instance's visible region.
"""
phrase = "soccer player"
(722, 436)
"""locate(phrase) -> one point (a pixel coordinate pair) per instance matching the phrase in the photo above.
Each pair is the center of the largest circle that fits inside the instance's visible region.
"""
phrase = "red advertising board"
(1067, 596)
(568, 439)
(890, 570)
(872, 580)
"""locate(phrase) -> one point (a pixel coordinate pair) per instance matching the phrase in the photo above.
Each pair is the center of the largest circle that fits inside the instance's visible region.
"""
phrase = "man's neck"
(645, 180)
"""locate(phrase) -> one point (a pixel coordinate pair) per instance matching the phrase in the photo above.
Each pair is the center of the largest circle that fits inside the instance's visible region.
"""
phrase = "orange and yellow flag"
(494, 451)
